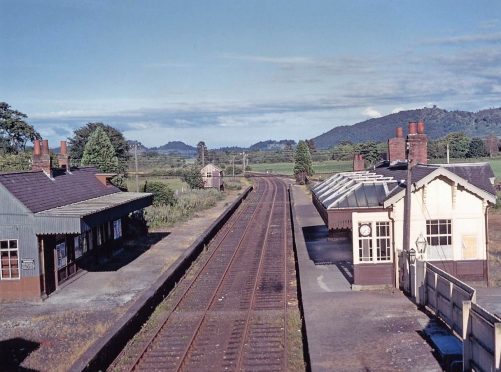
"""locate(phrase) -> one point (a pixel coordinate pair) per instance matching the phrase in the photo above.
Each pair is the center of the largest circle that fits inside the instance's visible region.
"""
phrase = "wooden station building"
(54, 221)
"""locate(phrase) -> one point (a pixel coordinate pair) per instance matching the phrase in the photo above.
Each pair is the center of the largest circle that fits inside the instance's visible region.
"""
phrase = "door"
(49, 268)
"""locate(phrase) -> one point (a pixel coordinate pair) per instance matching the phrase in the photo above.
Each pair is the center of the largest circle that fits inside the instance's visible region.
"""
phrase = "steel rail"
(151, 340)
(183, 295)
(255, 288)
(190, 344)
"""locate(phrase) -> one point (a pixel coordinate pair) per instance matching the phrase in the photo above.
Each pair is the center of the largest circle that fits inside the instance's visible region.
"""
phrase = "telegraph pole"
(407, 202)
(233, 165)
(135, 161)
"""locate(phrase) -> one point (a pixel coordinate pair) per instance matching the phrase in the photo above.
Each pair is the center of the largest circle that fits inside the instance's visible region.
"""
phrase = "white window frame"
(10, 267)
(383, 238)
(436, 249)
(365, 243)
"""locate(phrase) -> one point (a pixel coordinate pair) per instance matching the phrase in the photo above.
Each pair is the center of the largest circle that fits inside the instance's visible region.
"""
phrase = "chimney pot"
(412, 127)
(36, 147)
(45, 147)
(420, 127)
(400, 132)
(64, 149)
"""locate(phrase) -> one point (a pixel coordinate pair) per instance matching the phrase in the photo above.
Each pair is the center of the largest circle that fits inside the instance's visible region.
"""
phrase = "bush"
(232, 185)
(162, 194)
(193, 177)
(187, 205)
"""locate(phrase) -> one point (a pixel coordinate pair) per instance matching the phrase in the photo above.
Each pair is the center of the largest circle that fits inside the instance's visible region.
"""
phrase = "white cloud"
(372, 113)
(397, 109)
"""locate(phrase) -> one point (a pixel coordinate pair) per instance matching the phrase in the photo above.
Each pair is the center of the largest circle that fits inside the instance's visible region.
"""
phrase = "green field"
(333, 166)
(329, 166)
(174, 183)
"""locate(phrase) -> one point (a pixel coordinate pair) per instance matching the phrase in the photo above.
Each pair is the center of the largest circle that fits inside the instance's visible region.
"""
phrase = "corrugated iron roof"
(91, 206)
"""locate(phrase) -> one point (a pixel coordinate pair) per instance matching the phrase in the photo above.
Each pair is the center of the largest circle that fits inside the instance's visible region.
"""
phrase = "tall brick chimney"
(396, 146)
(41, 157)
(358, 163)
(63, 158)
(418, 143)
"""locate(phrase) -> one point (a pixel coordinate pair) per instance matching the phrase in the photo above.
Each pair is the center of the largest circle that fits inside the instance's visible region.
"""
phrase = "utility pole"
(447, 152)
(135, 161)
(243, 162)
(233, 166)
(203, 156)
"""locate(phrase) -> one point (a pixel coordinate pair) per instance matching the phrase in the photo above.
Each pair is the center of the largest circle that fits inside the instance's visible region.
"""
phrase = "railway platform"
(352, 330)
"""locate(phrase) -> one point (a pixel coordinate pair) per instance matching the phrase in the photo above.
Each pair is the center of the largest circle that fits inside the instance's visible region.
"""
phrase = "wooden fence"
(481, 339)
(445, 295)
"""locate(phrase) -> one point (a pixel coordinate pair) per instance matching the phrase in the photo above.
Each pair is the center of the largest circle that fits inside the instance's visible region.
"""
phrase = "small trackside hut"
(449, 211)
(212, 177)
(54, 222)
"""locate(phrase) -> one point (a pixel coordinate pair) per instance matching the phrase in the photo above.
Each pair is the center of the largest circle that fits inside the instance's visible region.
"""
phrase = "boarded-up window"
(469, 247)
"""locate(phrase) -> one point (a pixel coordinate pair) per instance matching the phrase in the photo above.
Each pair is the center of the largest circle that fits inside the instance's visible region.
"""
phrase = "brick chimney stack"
(358, 163)
(63, 158)
(418, 143)
(41, 157)
(396, 146)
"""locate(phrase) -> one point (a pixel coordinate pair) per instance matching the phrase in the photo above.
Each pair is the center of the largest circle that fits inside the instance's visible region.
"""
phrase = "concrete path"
(348, 330)
(490, 299)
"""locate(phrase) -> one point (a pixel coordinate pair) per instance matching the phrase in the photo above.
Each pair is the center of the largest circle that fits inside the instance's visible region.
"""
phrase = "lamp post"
(412, 255)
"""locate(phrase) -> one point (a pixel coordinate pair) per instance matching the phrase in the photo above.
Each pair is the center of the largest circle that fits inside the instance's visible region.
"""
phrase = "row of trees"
(460, 146)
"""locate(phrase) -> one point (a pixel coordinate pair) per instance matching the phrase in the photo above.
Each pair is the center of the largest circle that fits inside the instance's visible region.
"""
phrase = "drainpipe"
(395, 256)
(487, 242)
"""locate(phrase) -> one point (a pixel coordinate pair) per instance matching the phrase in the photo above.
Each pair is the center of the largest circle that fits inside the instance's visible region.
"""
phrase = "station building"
(449, 211)
(54, 222)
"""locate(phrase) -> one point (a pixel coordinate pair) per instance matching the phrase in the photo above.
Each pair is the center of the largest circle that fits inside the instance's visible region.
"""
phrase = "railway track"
(232, 313)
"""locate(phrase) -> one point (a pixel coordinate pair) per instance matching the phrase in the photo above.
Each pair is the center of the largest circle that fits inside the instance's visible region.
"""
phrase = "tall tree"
(14, 131)
(459, 144)
(311, 145)
(81, 136)
(477, 148)
(302, 162)
(99, 152)
(202, 154)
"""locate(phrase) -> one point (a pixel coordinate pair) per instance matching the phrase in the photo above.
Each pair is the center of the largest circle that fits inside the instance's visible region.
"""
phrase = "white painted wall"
(439, 199)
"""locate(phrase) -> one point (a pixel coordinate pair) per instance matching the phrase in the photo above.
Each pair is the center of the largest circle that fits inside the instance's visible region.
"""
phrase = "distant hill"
(438, 122)
(140, 147)
(175, 147)
(271, 145)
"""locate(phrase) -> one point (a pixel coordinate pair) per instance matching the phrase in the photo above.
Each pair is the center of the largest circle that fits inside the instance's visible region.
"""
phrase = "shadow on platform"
(335, 250)
(14, 351)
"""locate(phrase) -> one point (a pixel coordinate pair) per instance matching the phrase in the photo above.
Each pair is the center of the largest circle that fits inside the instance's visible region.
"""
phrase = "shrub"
(193, 177)
(187, 205)
(232, 185)
(162, 194)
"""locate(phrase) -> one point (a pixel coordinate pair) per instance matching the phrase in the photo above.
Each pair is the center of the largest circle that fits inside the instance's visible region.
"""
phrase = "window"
(117, 229)
(9, 258)
(209, 174)
(365, 242)
(78, 246)
(383, 241)
(62, 255)
(439, 238)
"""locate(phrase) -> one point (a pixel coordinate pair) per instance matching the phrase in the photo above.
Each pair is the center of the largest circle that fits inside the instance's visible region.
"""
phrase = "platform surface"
(349, 330)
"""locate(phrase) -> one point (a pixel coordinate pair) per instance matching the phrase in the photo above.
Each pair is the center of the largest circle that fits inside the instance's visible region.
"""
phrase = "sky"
(240, 71)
